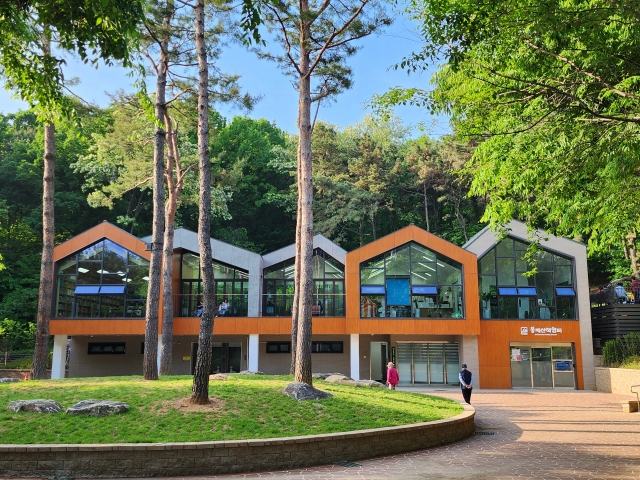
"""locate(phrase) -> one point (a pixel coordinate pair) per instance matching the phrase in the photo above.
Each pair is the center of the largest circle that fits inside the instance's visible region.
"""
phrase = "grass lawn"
(245, 406)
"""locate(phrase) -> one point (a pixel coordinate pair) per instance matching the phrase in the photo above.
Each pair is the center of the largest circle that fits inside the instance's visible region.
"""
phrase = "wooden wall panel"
(96, 327)
(496, 335)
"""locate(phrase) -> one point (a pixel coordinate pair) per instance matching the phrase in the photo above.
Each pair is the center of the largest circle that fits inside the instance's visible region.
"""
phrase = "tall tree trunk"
(166, 353)
(45, 292)
(303, 350)
(373, 226)
(631, 252)
(150, 363)
(296, 282)
(200, 392)
(426, 204)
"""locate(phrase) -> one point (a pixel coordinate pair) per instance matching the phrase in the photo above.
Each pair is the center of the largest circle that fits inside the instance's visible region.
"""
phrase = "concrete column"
(159, 351)
(254, 350)
(355, 356)
(469, 355)
(59, 356)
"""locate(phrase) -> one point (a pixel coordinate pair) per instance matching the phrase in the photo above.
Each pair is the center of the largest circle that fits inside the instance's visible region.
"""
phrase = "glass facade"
(104, 280)
(411, 281)
(506, 293)
(328, 287)
(230, 283)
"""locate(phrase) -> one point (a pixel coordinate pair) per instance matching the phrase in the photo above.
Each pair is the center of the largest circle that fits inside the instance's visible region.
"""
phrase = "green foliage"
(104, 30)
(620, 350)
(551, 91)
(16, 335)
(243, 407)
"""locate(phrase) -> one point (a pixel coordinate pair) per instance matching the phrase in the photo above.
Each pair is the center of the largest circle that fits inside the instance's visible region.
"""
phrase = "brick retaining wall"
(616, 380)
(203, 458)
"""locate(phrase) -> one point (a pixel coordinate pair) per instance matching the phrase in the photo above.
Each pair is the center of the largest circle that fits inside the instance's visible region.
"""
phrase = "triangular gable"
(97, 233)
(413, 234)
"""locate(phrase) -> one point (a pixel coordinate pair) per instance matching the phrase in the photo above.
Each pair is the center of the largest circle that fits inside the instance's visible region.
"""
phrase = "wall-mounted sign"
(186, 359)
(393, 355)
(540, 331)
(563, 365)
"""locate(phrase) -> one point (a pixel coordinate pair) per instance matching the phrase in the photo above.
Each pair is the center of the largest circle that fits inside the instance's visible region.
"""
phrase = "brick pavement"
(536, 435)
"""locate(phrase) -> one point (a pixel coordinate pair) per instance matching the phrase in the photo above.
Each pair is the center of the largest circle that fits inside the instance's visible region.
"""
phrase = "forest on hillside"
(371, 179)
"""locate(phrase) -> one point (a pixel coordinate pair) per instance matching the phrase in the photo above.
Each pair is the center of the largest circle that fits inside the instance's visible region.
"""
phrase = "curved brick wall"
(202, 458)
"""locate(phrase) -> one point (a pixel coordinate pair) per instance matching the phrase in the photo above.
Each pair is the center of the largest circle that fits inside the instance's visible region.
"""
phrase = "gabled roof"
(223, 252)
(319, 241)
(485, 239)
(97, 233)
(409, 234)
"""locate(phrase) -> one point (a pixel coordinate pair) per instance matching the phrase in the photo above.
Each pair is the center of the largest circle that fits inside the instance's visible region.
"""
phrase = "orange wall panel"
(496, 336)
(96, 327)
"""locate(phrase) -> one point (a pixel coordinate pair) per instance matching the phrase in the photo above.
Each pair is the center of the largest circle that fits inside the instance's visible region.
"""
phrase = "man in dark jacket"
(466, 383)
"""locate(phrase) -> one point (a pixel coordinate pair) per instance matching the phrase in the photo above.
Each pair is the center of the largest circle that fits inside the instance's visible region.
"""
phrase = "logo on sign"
(524, 331)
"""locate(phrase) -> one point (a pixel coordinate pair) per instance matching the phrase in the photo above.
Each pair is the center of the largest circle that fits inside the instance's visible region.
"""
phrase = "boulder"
(97, 408)
(301, 391)
(249, 372)
(369, 383)
(337, 378)
(323, 376)
(9, 380)
(34, 406)
(218, 376)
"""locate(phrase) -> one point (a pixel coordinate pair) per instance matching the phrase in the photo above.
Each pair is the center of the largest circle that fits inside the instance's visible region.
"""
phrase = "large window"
(103, 280)
(328, 287)
(506, 292)
(411, 281)
(230, 283)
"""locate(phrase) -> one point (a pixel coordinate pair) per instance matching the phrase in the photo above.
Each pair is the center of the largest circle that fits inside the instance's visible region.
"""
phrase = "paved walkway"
(520, 435)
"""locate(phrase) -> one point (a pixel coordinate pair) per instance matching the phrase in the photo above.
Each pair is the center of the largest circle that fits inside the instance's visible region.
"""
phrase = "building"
(410, 297)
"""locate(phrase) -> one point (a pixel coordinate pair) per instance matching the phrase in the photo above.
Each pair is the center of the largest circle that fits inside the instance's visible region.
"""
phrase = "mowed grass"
(243, 407)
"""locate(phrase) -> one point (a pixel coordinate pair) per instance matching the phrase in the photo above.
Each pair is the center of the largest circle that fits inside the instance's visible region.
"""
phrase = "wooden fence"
(613, 321)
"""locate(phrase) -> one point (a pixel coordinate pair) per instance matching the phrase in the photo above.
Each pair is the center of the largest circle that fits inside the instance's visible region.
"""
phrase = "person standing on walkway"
(466, 383)
(392, 376)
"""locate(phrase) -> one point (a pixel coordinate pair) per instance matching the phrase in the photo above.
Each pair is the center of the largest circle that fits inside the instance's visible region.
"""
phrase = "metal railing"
(323, 305)
(637, 392)
(189, 305)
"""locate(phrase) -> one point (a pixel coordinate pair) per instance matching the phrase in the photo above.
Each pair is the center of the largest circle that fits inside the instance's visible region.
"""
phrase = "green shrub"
(617, 351)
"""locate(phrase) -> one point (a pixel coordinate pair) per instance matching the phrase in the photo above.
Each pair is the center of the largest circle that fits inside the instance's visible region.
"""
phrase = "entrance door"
(378, 357)
(542, 366)
(520, 367)
(428, 363)
(541, 370)
(225, 357)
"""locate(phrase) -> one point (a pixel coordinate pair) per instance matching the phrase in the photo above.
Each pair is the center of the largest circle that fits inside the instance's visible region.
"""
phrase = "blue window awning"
(565, 292)
(424, 290)
(87, 289)
(112, 290)
(507, 291)
(372, 290)
(527, 291)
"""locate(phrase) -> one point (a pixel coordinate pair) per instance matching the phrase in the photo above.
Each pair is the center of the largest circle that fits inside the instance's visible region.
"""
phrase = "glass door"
(436, 363)
(378, 357)
(520, 367)
(405, 363)
(428, 363)
(541, 369)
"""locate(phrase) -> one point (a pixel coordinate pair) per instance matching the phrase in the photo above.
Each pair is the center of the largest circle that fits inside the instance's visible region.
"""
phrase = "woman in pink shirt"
(392, 376)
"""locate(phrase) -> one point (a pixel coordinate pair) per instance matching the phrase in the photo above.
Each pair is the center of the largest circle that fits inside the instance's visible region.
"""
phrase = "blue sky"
(372, 74)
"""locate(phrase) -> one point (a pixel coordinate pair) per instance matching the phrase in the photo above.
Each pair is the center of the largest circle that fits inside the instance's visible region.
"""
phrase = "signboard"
(563, 365)
(393, 355)
(515, 355)
(540, 331)
(186, 359)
